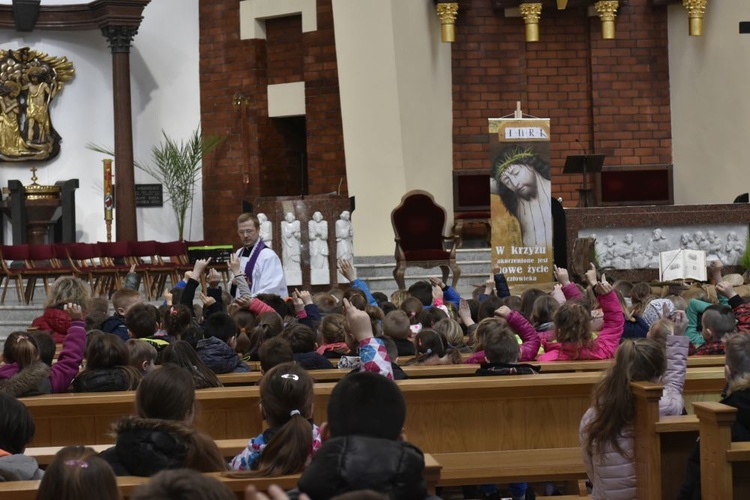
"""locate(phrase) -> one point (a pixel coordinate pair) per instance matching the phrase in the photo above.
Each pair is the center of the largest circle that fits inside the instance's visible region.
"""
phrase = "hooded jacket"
(19, 468)
(118, 378)
(352, 463)
(219, 357)
(31, 381)
(146, 446)
(115, 325)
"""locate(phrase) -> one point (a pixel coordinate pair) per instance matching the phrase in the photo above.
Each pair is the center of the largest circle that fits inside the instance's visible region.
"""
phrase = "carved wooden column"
(120, 38)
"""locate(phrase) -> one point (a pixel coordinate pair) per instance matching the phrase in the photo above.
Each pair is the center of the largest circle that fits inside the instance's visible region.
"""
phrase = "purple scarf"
(254, 253)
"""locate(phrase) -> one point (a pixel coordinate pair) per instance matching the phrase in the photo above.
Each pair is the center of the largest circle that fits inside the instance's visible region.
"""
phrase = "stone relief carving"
(639, 248)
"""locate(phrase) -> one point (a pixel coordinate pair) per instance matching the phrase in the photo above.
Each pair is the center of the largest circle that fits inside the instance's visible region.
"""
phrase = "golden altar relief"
(29, 80)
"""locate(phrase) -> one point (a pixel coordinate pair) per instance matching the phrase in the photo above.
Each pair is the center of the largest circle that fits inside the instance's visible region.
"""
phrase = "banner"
(520, 197)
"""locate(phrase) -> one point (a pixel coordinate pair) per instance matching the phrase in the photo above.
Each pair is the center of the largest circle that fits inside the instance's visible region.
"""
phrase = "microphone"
(583, 148)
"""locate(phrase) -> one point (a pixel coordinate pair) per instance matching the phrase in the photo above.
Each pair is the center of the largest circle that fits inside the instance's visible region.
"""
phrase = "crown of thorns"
(514, 156)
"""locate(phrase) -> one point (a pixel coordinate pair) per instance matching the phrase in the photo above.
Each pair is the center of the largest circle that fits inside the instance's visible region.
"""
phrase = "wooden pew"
(662, 444)
(26, 490)
(250, 378)
(725, 465)
(443, 414)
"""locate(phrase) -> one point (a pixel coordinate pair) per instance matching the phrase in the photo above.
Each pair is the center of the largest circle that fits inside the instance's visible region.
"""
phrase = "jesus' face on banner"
(522, 180)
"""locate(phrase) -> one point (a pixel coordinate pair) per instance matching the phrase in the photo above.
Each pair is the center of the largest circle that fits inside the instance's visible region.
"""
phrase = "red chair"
(42, 264)
(145, 254)
(114, 256)
(10, 257)
(84, 259)
(418, 224)
(173, 255)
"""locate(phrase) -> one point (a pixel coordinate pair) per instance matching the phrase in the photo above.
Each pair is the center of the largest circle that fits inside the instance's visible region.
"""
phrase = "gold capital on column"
(447, 13)
(531, 13)
(696, 9)
(607, 10)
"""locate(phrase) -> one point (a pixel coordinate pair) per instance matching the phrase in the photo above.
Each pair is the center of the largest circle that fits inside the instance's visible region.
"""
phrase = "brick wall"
(262, 155)
(612, 96)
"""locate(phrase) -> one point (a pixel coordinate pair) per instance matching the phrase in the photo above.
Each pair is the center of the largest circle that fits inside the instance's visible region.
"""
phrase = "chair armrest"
(399, 254)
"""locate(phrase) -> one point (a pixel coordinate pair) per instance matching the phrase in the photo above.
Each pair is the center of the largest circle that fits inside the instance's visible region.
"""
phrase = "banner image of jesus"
(522, 180)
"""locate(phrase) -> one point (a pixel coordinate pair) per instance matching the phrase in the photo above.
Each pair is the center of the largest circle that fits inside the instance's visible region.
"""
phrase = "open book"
(682, 264)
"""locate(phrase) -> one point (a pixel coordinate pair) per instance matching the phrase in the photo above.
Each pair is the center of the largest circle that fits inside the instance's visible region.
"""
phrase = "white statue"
(344, 236)
(266, 230)
(318, 235)
(733, 249)
(290, 258)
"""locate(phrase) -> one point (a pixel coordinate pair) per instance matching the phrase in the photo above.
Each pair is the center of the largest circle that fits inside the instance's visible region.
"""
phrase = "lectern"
(584, 164)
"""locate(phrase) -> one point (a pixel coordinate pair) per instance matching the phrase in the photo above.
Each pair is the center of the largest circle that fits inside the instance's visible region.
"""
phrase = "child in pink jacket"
(573, 339)
(69, 360)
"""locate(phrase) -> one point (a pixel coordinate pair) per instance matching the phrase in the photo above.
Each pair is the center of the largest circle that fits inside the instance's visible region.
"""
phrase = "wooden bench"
(443, 415)
(725, 465)
(462, 370)
(662, 444)
(26, 490)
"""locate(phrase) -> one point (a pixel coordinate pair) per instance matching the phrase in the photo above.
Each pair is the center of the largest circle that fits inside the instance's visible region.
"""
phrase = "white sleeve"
(268, 275)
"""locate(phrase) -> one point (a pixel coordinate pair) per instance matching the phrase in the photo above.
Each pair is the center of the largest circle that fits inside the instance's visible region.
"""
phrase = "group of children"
(165, 353)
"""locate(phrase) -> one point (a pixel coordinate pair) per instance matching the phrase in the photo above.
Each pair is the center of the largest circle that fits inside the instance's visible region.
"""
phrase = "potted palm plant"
(177, 166)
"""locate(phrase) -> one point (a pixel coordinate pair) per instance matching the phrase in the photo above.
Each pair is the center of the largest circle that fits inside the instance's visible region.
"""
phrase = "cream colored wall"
(710, 99)
(395, 84)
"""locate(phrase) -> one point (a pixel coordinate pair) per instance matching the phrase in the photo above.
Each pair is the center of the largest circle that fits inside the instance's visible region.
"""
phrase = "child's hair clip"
(428, 351)
(292, 376)
(294, 412)
(77, 463)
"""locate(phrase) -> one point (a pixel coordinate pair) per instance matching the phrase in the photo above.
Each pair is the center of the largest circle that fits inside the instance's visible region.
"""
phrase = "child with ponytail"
(573, 338)
(286, 403)
(606, 431)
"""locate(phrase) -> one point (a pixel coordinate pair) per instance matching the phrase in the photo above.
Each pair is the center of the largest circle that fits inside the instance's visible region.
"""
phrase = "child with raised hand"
(718, 320)
(61, 373)
(505, 318)
(606, 431)
(78, 472)
(16, 431)
(286, 403)
(65, 290)
(573, 339)
(670, 334)
(373, 356)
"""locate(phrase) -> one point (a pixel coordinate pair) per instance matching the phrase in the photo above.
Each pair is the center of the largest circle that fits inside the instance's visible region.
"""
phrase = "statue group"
(29, 81)
(630, 254)
(318, 245)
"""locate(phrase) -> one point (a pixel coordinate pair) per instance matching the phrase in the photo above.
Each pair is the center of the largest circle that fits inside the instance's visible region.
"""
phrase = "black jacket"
(740, 399)
(219, 357)
(146, 446)
(118, 378)
(352, 463)
(506, 369)
(312, 361)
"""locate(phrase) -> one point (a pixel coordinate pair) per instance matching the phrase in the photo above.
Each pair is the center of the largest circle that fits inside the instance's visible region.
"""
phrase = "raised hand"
(591, 274)
(73, 310)
(561, 275)
(359, 322)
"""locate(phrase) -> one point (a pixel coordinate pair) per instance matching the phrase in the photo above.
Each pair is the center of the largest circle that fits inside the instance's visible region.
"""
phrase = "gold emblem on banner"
(29, 81)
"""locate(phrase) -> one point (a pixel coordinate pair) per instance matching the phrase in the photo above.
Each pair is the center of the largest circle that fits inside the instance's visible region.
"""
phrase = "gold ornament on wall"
(447, 13)
(607, 10)
(696, 9)
(29, 81)
(531, 13)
